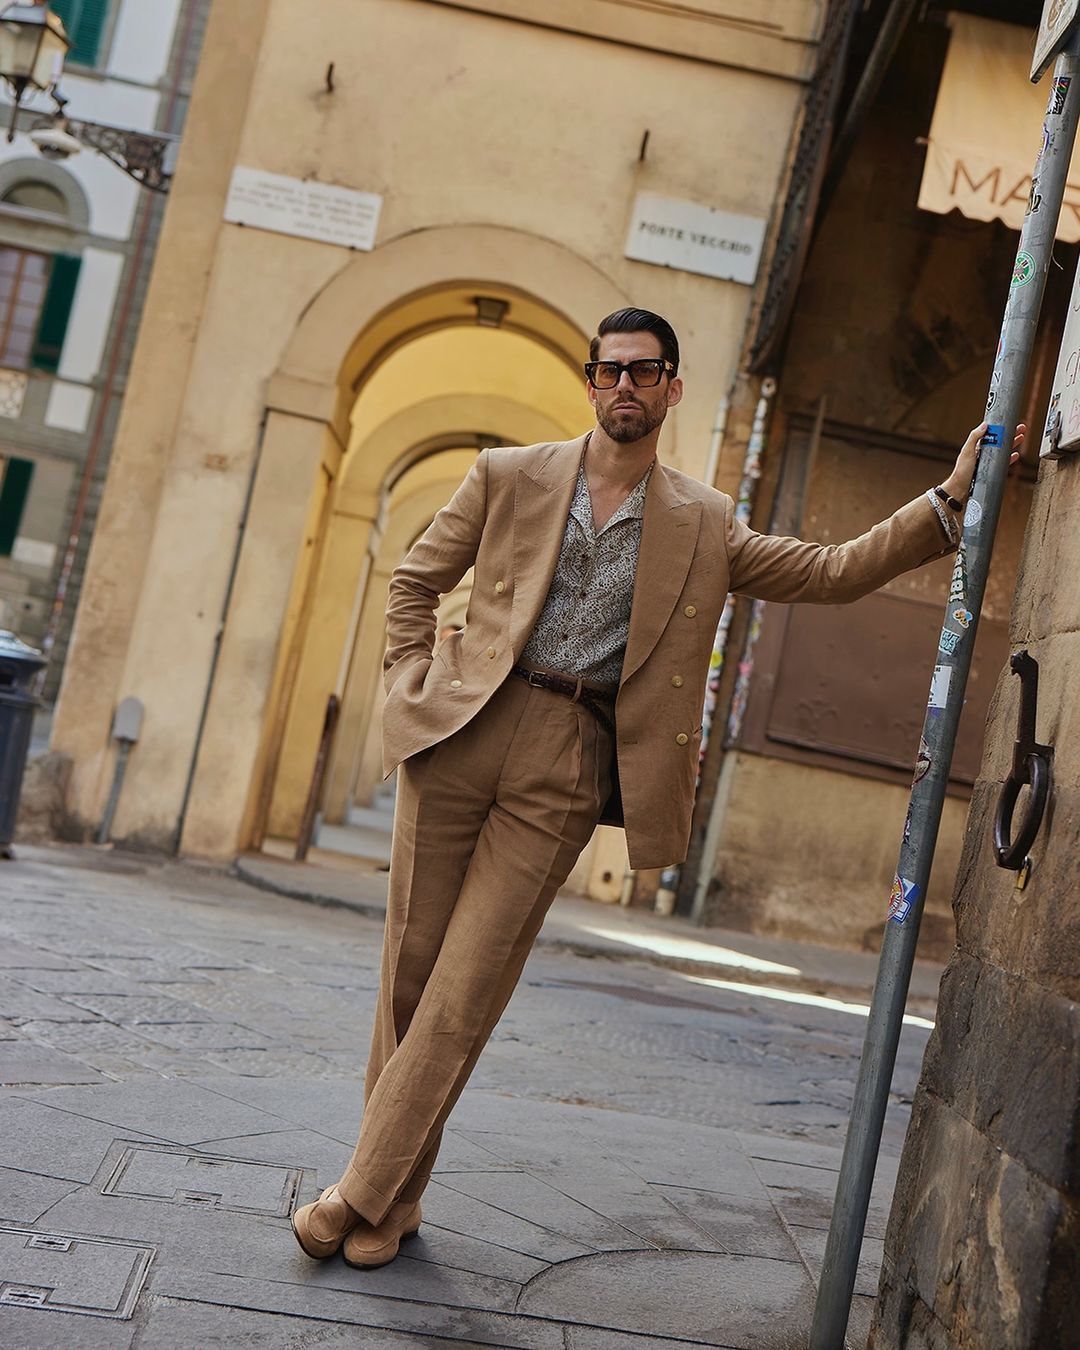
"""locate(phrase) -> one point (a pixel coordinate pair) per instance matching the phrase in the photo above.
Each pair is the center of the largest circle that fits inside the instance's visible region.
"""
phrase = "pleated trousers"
(487, 827)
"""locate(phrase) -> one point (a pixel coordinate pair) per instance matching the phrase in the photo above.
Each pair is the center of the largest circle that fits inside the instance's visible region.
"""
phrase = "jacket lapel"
(542, 500)
(669, 532)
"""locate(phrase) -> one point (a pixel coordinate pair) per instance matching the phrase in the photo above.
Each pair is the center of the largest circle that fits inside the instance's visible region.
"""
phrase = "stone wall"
(983, 1246)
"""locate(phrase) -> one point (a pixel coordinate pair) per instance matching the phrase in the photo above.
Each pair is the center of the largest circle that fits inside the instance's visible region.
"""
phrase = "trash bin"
(18, 666)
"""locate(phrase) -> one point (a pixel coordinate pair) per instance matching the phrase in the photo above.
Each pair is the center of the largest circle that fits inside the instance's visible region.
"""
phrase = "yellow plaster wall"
(488, 366)
(508, 158)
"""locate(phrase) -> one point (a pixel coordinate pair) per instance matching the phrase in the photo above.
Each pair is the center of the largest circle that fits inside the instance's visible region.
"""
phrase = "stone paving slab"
(23, 1061)
(714, 1298)
(25, 1197)
(42, 1140)
(642, 1160)
(585, 926)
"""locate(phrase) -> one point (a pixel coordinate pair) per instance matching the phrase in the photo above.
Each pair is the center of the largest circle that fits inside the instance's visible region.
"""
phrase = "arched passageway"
(422, 411)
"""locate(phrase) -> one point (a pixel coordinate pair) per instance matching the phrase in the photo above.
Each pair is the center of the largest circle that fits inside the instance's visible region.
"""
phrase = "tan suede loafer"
(322, 1226)
(368, 1247)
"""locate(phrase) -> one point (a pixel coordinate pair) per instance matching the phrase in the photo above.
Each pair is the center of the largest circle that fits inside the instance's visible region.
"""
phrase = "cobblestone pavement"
(642, 1159)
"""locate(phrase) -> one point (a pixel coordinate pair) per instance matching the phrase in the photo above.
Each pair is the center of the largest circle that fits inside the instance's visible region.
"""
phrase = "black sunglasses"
(643, 374)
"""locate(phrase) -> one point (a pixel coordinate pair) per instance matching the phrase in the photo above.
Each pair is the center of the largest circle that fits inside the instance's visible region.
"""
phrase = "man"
(600, 576)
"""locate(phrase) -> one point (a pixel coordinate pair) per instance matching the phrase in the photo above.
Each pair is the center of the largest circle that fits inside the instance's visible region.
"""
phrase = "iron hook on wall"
(1030, 768)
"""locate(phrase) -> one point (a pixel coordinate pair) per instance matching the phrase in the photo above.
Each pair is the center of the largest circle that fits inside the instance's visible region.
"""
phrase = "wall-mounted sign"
(694, 238)
(1058, 17)
(308, 210)
(1062, 431)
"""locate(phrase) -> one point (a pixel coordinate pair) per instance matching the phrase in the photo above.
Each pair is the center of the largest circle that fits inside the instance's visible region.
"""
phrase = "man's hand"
(958, 483)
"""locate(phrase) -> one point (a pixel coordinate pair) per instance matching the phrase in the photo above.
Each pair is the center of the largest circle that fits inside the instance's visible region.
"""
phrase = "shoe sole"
(378, 1265)
(322, 1256)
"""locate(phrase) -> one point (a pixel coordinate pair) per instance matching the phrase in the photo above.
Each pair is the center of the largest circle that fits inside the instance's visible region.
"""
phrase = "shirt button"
(455, 684)
(676, 680)
(491, 651)
(690, 611)
(500, 586)
(682, 738)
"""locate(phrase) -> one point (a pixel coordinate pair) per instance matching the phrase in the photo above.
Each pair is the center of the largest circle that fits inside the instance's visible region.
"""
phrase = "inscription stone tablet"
(303, 208)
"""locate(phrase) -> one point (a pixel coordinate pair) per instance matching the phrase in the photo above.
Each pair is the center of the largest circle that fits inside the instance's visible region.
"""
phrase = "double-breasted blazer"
(507, 520)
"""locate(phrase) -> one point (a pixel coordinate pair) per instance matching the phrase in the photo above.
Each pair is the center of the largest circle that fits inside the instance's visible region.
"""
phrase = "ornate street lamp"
(33, 45)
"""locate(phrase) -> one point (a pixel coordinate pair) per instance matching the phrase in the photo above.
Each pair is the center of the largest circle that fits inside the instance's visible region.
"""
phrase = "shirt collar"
(633, 508)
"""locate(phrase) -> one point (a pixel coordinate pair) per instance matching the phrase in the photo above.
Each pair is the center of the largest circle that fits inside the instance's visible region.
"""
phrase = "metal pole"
(944, 705)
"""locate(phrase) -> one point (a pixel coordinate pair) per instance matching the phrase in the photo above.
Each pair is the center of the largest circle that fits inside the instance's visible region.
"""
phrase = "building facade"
(76, 242)
(880, 347)
(394, 227)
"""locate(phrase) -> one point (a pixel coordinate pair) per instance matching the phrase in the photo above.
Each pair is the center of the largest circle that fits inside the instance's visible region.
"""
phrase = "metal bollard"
(18, 666)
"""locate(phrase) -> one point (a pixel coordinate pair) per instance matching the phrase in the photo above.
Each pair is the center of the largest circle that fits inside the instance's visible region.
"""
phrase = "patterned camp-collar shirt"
(585, 621)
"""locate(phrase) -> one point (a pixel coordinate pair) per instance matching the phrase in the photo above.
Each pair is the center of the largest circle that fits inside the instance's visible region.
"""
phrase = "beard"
(625, 427)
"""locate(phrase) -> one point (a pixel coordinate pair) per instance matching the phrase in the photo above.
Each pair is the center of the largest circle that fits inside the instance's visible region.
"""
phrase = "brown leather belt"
(599, 702)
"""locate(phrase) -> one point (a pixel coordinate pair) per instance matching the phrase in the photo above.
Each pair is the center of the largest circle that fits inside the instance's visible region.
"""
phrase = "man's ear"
(590, 393)
(675, 391)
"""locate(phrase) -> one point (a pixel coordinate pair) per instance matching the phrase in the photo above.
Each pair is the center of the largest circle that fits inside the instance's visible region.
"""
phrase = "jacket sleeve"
(432, 567)
(771, 567)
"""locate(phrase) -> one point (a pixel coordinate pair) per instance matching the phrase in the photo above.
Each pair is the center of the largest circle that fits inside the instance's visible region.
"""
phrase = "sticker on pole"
(1058, 18)
(903, 895)
(939, 688)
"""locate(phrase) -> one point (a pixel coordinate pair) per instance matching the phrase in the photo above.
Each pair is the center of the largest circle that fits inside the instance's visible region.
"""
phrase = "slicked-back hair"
(639, 321)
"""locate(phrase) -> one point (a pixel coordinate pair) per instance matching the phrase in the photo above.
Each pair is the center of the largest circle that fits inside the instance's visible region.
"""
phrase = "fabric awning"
(986, 130)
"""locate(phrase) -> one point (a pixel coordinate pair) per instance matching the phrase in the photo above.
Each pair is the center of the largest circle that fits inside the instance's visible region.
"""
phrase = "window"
(23, 279)
(85, 24)
(14, 488)
(32, 195)
(36, 294)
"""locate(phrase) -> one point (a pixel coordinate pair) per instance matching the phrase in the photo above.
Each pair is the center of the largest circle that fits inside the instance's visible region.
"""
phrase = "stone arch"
(376, 304)
(423, 280)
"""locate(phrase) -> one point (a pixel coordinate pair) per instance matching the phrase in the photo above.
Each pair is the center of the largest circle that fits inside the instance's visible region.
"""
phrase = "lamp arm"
(141, 154)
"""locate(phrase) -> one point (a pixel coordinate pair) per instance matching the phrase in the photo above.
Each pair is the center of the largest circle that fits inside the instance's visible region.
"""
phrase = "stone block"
(1034, 932)
(1048, 583)
(968, 1242)
(1006, 1056)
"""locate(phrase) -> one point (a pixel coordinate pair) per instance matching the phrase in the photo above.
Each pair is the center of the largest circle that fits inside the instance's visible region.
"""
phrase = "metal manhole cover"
(66, 1272)
(181, 1177)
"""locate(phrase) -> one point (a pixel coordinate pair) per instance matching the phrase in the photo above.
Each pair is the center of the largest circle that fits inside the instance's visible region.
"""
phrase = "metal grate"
(181, 1177)
(71, 1273)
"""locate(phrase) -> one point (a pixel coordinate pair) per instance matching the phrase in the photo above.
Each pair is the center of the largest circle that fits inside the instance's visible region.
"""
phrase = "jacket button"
(491, 651)
(676, 680)
(500, 586)
(455, 684)
(682, 738)
(690, 611)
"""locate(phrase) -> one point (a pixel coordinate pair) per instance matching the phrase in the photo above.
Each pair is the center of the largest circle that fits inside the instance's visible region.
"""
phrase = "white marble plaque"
(306, 209)
(695, 238)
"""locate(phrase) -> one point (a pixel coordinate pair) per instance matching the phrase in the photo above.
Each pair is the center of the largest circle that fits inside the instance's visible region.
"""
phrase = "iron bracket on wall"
(1030, 768)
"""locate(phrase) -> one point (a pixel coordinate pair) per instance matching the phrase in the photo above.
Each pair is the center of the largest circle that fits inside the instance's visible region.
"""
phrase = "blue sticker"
(903, 895)
(994, 437)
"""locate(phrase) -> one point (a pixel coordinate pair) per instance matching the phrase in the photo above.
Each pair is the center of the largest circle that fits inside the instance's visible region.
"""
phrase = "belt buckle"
(534, 679)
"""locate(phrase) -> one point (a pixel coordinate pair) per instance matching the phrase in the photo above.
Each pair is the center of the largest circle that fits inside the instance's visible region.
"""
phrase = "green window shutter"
(13, 490)
(55, 313)
(85, 24)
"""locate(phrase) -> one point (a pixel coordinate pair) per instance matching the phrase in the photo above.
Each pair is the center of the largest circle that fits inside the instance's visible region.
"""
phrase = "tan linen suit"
(501, 785)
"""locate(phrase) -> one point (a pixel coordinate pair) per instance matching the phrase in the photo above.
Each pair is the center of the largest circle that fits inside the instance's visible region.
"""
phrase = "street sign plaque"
(1058, 20)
